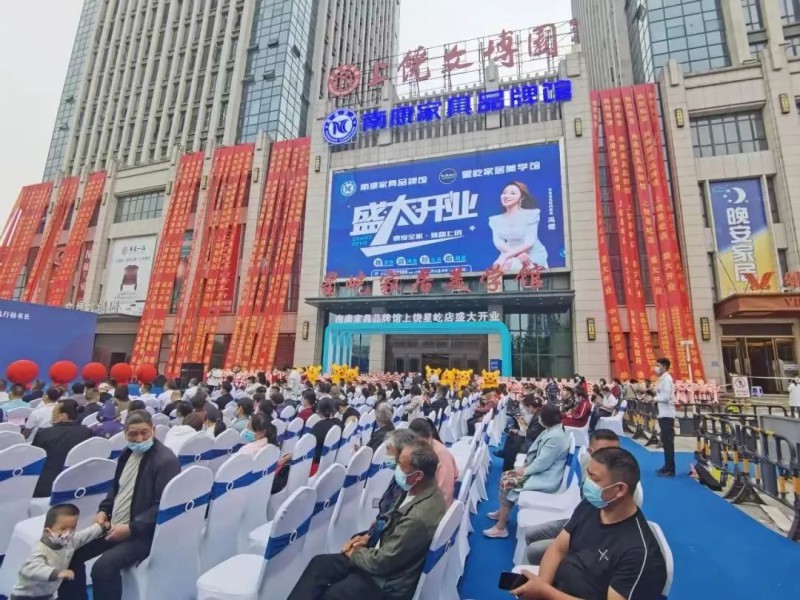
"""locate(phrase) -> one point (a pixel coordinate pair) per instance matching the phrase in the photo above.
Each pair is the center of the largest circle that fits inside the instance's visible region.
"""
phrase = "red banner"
(58, 290)
(186, 188)
(20, 231)
(619, 353)
(197, 317)
(42, 267)
(86, 260)
(619, 159)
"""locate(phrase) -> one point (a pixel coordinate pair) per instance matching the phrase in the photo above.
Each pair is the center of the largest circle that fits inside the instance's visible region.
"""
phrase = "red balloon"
(63, 371)
(146, 373)
(22, 371)
(122, 372)
(94, 372)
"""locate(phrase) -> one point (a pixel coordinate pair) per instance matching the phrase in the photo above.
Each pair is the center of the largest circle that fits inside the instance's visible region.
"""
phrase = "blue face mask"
(248, 436)
(593, 493)
(140, 447)
(390, 462)
(401, 479)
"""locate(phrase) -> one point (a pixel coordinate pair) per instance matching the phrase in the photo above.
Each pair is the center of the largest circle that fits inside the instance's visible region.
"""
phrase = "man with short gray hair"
(390, 569)
(383, 420)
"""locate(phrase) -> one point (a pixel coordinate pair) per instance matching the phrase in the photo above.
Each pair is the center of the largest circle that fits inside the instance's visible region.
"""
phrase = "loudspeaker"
(190, 371)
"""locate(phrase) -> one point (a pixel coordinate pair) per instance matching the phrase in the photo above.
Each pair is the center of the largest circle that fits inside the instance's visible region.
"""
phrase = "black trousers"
(596, 415)
(513, 447)
(334, 577)
(107, 571)
(667, 426)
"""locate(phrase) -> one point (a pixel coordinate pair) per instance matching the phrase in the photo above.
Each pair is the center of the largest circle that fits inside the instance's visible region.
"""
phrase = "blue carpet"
(719, 551)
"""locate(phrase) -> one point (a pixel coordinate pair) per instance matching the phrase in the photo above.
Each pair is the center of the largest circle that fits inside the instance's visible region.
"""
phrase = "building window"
(139, 207)
(783, 262)
(793, 47)
(734, 133)
(790, 11)
(752, 15)
(541, 344)
(772, 198)
(756, 47)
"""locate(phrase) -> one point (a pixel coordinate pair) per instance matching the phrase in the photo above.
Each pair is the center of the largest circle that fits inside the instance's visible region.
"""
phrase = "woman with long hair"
(515, 232)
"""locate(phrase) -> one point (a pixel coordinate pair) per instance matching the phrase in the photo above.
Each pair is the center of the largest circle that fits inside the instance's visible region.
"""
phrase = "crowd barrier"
(751, 459)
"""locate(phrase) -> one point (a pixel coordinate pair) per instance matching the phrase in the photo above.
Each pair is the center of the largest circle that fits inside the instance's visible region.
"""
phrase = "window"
(790, 11)
(752, 15)
(772, 199)
(783, 262)
(734, 133)
(793, 47)
(141, 206)
(541, 344)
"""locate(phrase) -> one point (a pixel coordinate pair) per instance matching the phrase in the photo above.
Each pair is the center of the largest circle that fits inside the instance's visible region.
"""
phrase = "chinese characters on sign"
(101, 308)
(6, 314)
(459, 317)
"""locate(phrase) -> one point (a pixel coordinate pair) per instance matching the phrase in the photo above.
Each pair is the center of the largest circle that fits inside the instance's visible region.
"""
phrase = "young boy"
(47, 565)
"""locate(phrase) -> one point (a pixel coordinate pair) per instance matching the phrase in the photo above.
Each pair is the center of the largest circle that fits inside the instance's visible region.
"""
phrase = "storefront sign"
(467, 211)
(745, 249)
(128, 273)
(459, 317)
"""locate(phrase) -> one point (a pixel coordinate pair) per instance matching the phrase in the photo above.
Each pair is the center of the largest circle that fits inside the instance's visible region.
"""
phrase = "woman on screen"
(515, 233)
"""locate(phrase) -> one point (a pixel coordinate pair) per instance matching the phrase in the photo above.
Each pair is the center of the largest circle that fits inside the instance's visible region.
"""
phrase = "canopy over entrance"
(338, 341)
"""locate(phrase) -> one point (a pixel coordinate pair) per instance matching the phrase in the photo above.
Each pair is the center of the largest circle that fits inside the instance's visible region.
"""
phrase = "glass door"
(786, 362)
(731, 359)
(758, 359)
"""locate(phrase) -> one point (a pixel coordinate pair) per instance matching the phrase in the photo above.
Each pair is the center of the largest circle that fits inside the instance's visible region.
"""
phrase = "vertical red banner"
(186, 188)
(18, 237)
(619, 352)
(42, 267)
(58, 290)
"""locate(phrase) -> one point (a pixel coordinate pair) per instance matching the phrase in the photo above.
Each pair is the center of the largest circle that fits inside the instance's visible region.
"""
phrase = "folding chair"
(259, 495)
(299, 469)
(329, 449)
(378, 478)
(290, 436)
(344, 522)
(225, 445)
(433, 583)
(346, 445)
(94, 447)
(197, 450)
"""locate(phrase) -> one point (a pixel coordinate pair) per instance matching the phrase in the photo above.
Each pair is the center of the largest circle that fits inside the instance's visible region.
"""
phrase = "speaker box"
(190, 371)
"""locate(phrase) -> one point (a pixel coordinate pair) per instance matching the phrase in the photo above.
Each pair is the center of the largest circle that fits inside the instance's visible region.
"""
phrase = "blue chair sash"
(256, 475)
(320, 506)
(307, 456)
(574, 469)
(115, 454)
(220, 488)
(167, 514)
(70, 495)
(328, 449)
(351, 480)
(288, 435)
(457, 489)
(34, 468)
(187, 459)
(434, 556)
(277, 544)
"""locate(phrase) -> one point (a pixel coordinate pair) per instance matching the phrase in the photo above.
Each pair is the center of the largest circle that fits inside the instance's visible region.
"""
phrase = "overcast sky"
(36, 40)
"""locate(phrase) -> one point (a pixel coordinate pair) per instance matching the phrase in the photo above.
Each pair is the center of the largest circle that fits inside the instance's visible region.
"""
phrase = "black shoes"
(662, 472)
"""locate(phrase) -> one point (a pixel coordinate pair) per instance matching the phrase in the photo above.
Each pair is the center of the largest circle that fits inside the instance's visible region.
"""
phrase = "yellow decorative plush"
(491, 379)
(351, 375)
(339, 372)
(312, 373)
(431, 372)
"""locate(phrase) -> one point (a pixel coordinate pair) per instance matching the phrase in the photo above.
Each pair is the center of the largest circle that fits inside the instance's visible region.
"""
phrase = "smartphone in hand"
(511, 581)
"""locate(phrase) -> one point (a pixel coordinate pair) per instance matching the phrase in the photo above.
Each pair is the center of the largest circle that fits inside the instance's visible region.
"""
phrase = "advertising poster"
(745, 251)
(469, 210)
(128, 273)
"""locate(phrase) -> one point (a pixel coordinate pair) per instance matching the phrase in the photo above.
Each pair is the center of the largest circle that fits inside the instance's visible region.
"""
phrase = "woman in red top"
(308, 405)
(578, 416)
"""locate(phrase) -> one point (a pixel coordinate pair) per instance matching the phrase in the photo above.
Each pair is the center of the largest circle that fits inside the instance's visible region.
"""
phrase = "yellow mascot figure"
(491, 379)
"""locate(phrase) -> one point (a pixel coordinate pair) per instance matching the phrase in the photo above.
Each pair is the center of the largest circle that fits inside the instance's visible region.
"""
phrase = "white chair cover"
(366, 424)
(378, 478)
(161, 432)
(229, 498)
(90, 420)
(9, 427)
(310, 422)
(446, 428)
(229, 412)
(18, 415)
(433, 583)
(614, 422)
(344, 522)
(171, 569)
(118, 443)
(299, 470)
(293, 432)
(259, 495)
(83, 485)
(580, 434)
(35, 402)
(94, 447)
(329, 449)
(462, 495)
(160, 419)
(20, 467)
(288, 413)
(666, 552)
(280, 428)
(274, 574)
(346, 446)
(225, 445)
(196, 450)
(10, 438)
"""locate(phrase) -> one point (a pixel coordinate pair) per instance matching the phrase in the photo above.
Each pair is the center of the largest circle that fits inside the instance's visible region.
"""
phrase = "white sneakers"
(495, 532)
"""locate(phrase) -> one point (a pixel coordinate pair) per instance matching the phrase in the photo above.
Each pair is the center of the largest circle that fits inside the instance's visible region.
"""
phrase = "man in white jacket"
(794, 396)
(664, 398)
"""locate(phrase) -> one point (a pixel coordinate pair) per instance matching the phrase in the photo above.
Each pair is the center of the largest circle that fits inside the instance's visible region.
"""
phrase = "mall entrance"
(412, 353)
(765, 353)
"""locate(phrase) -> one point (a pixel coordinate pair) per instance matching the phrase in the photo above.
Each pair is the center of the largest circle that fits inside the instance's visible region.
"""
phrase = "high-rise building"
(146, 76)
(609, 61)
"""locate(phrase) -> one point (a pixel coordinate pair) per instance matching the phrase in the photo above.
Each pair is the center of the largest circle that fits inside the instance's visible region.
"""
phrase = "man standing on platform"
(665, 401)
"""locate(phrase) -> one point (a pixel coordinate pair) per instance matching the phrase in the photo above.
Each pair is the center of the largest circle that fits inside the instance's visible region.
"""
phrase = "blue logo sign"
(348, 188)
(340, 127)
(471, 211)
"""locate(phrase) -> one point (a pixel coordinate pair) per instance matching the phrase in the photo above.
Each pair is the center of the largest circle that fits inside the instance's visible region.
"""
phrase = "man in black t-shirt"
(606, 550)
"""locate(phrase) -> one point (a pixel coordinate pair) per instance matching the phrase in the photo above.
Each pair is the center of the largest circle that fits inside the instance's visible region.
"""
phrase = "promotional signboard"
(471, 211)
(745, 250)
(128, 273)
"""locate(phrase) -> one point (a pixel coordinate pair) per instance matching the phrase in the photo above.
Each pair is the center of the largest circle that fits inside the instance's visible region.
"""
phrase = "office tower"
(608, 60)
(146, 76)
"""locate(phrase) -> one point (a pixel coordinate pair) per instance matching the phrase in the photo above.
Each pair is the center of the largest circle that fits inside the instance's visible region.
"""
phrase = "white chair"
(171, 569)
(300, 468)
(90, 420)
(666, 552)
(310, 422)
(161, 432)
(280, 429)
(347, 444)
(398, 415)
(363, 409)
(275, 573)
(259, 495)
(434, 583)
(229, 497)
(20, 467)
(118, 443)
(446, 429)
(18, 415)
(566, 493)
(293, 432)
(462, 496)
(378, 478)
(287, 414)
(35, 402)
(10, 438)
(83, 485)
(344, 522)
(94, 447)
(196, 450)
(580, 434)
(225, 445)
(9, 427)
(160, 419)
(614, 422)
(229, 412)
(329, 449)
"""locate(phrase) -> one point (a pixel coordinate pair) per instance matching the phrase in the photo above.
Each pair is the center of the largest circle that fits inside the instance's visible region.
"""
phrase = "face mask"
(401, 479)
(248, 436)
(593, 493)
(140, 447)
(59, 539)
(659, 370)
(390, 462)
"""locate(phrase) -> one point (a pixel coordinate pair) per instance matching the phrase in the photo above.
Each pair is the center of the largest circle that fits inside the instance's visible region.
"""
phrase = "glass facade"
(734, 133)
(149, 205)
(790, 11)
(541, 344)
(66, 108)
(690, 32)
(277, 83)
(752, 15)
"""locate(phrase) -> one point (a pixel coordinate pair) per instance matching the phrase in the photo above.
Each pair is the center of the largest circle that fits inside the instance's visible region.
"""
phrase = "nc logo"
(348, 188)
(340, 127)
